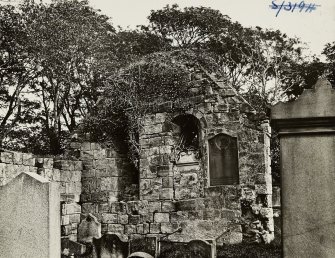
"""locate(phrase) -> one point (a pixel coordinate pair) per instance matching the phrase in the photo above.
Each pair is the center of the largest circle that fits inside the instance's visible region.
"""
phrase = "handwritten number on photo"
(291, 7)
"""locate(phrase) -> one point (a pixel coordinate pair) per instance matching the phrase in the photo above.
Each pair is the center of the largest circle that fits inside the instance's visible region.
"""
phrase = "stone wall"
(171, 193)
(107, 175)
(175, 195)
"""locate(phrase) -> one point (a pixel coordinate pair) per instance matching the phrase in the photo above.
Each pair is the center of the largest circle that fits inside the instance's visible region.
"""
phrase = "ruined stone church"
(204, 173)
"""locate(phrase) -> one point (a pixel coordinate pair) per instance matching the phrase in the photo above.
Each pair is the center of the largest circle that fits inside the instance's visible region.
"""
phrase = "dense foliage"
(157, 77)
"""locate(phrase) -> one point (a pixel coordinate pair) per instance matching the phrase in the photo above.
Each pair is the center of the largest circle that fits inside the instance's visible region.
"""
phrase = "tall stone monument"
(306, 128)
(29, 218)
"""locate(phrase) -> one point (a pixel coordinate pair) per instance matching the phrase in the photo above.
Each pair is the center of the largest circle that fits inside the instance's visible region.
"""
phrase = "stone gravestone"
(146, 244)
(307, 141)
(194, 248)
(89, 228)
(29, 218)
(109, 246)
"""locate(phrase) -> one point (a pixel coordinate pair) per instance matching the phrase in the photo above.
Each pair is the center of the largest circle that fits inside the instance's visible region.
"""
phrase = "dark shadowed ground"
(250, 250)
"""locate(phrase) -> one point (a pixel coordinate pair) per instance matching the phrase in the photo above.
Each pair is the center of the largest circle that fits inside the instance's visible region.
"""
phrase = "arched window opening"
(223, 160)
(188, 126)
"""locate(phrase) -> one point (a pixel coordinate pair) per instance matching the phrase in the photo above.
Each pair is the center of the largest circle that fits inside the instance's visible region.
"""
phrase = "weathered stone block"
(149, 217)
(65, 220)
(62, 187)
(86, 155)
(179, 216)
(189, 179)
(78, 165)
(61, 164)
(168, 206)
(66, 230)
(89, 208)
(70, 187)
(116, 228)
(88, 173)
(194, 204)
(100, 163)
(154, 206)
(69, 198)
(182, 193)
(100, 196)
(109, 184)
(87, 163)
(166, 194)
(78, 187)
(167, 228)
(161, 217)
(48, 163)
(28, 169)
(134, 219)
(248, 194)
(155, 228)
(89, 185)
(140, 229)
(146, 228)
(65, 175)
(104, 228)
(123, 219)
(74, 218)
(71, 208)
(56, 175)
(118, 207)
(167, 182)
(76, 176)
(133, 207)
(160, 117)
(196, 215)
(17, 158)
(95, 146)
(103, 208)
(153, 128)
(6, 157)
(263, 189)
(86, 146)
(269, 225)
(73, 237)
(228, 214)
(266, 212)
(164, 170)
(209, 215)
(112, 170)
(109, 218)
(148, 119)
(130, 229)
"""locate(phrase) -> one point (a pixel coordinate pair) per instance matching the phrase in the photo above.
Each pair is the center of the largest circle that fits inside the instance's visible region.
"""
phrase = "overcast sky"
(315, 28)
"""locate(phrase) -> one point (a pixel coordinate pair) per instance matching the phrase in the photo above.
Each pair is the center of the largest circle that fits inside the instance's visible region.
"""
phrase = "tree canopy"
(64, 64)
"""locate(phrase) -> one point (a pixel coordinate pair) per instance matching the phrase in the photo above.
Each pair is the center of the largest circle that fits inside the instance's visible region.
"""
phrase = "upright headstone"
(88, 229)
(29, 218)
(147, 244)
(307, 141)
(109, 246)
